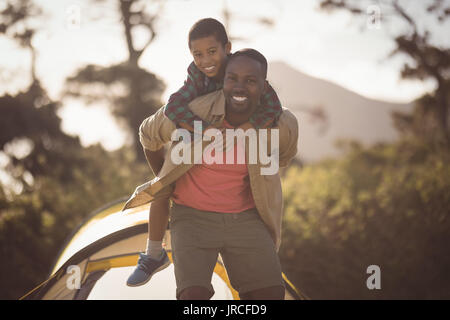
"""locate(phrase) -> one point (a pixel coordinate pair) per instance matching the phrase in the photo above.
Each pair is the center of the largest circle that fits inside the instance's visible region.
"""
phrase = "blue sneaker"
(146, 268)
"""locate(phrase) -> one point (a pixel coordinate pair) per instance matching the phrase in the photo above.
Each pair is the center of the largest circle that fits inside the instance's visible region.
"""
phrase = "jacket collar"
(218, 107)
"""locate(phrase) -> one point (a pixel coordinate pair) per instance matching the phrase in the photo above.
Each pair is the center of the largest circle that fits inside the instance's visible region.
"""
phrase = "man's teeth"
(240, 99)
(209, 68)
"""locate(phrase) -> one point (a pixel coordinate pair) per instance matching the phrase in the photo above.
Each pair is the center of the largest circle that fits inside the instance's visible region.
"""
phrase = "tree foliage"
(386, 206)
(427, 60)
(59, 181)
(131, 92)
(16, 21)
(53, 181)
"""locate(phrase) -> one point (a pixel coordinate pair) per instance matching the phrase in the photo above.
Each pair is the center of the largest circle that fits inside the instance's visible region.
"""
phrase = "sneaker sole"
(149, 278)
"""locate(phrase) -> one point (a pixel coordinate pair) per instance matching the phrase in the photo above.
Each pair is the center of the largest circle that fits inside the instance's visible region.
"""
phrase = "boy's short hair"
(208, 27)
(252, 54)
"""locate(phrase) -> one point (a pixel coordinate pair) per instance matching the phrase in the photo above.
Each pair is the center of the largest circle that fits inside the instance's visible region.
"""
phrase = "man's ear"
(228, 47)
(266, 86)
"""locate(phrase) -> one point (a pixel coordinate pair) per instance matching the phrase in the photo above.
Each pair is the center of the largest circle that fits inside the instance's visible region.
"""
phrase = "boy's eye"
(212, 51)
(251, 81)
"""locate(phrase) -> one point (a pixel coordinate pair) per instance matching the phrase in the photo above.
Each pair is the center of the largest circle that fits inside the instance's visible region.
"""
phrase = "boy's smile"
(210, 56)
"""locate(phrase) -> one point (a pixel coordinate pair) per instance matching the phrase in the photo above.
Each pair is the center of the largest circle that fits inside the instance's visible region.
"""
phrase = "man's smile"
(239, 98)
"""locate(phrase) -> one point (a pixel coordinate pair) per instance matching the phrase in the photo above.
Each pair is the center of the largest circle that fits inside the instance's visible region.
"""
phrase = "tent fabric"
(90, 282)
(104, 246)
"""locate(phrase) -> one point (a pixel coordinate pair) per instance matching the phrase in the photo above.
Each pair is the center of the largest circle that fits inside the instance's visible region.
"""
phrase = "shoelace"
(143, 261)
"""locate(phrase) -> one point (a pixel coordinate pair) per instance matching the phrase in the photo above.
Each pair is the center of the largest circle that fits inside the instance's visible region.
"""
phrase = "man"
(230, 208)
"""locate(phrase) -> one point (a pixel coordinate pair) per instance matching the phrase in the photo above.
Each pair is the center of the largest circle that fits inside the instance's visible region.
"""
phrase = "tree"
(430, 118)
(229, 16)
(15, 22)
(132, 92)
(386, 205)
(54, 182)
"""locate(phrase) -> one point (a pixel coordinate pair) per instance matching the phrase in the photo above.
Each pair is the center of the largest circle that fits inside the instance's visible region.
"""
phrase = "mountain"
(349, 115)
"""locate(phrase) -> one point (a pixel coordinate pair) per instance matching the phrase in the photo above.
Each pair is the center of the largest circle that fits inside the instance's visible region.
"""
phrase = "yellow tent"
(98, 257)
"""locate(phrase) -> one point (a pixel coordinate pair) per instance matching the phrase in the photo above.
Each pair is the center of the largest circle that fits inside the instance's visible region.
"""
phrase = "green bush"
(388, 206)
(35, 223)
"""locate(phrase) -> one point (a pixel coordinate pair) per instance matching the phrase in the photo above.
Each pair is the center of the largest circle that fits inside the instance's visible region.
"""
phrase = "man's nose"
(239, 85)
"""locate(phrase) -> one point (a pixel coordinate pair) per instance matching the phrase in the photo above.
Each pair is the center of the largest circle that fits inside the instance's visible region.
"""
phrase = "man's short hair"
(208, 27)
(252, 54)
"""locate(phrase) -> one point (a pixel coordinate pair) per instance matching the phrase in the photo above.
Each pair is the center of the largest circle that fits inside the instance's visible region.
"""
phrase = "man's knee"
(269, 293)
(195, 293)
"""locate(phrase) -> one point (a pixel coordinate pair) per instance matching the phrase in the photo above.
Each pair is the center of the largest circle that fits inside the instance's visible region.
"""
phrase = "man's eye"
(251, 81)
(212, 52)
(197, 55)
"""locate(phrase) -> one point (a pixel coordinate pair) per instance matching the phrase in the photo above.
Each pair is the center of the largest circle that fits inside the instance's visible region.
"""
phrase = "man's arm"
(155, 131)
(288, 125)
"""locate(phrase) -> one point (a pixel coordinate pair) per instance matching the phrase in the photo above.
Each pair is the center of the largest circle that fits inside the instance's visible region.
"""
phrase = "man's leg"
(251, 259)
(195, 293)
(195, 248)
(269, 293)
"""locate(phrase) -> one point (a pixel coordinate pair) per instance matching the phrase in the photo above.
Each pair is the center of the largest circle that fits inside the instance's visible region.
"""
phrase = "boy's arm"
(177, 108)
(269, 111)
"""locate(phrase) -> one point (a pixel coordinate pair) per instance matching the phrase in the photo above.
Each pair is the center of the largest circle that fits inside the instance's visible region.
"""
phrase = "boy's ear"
(228, 47)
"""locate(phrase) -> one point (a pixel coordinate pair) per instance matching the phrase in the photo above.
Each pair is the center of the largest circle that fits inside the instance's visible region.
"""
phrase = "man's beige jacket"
(156, 131)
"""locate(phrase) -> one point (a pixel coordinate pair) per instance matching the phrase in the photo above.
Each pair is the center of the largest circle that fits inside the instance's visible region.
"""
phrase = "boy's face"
(243, 85)
(210, 55)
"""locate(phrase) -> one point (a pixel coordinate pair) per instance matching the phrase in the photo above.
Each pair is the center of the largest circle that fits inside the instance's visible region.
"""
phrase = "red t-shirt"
(216, 187)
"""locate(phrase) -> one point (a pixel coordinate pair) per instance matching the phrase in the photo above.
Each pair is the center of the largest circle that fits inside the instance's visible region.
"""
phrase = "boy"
(210, 47)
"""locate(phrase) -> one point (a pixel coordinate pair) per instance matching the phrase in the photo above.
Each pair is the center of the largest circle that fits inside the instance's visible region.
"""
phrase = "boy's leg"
(155, 258)
(158, 218)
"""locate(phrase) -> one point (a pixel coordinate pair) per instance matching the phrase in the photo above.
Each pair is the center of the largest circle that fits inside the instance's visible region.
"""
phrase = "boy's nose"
(206, 62)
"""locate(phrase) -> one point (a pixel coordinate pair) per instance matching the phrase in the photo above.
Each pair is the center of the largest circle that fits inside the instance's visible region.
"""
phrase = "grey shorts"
(242, 239)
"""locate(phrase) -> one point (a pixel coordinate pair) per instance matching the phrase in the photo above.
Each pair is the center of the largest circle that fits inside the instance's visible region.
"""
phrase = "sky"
(335, 47)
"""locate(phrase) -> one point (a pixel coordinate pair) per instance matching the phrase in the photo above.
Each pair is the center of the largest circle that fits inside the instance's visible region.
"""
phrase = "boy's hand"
(186, 126)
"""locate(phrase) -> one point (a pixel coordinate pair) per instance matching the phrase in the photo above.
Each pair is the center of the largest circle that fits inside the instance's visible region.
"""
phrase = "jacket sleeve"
(156, 130)
(288, 137)
(269, 111)
(177, 108)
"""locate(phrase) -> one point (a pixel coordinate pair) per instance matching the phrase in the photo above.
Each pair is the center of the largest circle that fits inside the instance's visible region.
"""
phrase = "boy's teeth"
(209, 68)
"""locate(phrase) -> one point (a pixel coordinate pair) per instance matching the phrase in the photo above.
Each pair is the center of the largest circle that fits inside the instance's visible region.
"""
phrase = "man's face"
(210, 55)
(243, 85)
